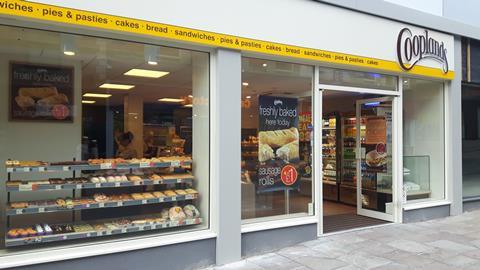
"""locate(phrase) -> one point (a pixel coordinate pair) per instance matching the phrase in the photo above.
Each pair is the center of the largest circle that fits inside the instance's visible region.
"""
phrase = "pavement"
(447, 243)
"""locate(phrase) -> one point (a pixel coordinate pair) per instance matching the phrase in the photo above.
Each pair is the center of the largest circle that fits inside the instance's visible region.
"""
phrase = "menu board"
(278, 147)
(41, 92)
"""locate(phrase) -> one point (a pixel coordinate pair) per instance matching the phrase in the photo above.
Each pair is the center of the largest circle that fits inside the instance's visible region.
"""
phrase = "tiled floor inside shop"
(448, 243)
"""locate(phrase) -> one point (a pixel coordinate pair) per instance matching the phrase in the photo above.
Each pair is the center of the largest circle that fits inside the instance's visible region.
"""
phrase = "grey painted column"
(455, 133)
(226, 160)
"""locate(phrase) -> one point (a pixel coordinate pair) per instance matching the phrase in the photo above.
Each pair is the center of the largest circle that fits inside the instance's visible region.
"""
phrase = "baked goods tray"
(15, 242)
(96, 167)
(143, 182)
(107, 204)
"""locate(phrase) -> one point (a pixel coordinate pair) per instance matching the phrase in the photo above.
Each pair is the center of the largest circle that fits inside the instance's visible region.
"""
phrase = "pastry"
(24, 102)
(14, 183)
(60, 202)
(102, 179)
(176, 214)
(137, 196)
(158, 194)
(155, 177)
(164, 213)
(191, 211)
(278, 138)
(31, 232)
(191, 191)
(170, 193)
(69, 203)
(18, 205)
(135, 178)
(117, 178)
(289, 152)
(22, 232)
(265, 152)
(180, 192)
(94, 180)
(37, 92)
(100, 197)
(148, 195)
(53, 100)
(124, 178)
(13, 233)
(110, 179)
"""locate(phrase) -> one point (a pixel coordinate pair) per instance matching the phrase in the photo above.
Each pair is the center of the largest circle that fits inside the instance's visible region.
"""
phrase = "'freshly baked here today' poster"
(278, 143)
(41, 92)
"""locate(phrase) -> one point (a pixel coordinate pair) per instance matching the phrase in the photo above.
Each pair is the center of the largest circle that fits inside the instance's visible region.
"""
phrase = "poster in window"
(278, 143)
(41, 92)
(376, 144)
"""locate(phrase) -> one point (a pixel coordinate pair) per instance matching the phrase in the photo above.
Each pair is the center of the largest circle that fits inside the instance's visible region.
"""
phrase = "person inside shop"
(125, 147)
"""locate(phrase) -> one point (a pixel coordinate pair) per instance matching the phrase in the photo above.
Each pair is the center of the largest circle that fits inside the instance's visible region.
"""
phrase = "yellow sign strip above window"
(96, 20)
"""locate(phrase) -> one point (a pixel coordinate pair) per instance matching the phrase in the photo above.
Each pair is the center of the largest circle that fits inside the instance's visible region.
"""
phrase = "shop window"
(101, 139)
(423, 140)
(276, 140)
(352, 78)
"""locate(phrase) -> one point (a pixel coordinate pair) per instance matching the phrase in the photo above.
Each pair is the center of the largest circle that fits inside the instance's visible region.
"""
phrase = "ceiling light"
(176, 100)
(145, 73)
(190, 96)
(151, 55)
(245, 83)
(188, 105)
(68, 44)
(88, 101)
(97, 95)
(117, 86)
(264, 64)
(248, 97)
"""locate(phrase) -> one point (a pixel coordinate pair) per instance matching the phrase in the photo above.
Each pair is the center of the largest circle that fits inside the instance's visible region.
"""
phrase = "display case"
(123, 188)
(331, 159)
(416, 177)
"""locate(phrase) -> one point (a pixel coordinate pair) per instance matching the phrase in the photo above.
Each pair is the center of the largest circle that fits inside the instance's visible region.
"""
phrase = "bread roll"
(289, 152)
(37, 92)
(24, 102)
(278, 138)
(53, 100)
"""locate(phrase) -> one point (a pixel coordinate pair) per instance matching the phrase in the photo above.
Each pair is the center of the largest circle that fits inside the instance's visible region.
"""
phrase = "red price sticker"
(289, 175)
(60, 111)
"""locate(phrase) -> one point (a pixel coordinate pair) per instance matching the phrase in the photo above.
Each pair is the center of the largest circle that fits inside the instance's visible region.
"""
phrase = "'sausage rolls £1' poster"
(278, 143)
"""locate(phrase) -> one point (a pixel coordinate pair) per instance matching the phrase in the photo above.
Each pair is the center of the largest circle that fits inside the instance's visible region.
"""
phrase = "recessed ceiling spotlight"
(68, 44)
(190, 96)
(248, 97)
(245, 83)
(264, 65)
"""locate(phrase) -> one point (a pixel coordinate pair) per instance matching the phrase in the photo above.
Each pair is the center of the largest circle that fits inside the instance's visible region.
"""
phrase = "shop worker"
(125, 148)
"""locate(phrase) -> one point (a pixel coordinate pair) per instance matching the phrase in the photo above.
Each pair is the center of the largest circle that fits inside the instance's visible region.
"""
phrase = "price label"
(79, 186)
(175, 163)
(161, 199)
(144, 201)
(89, 234)
(104, 166)
(66, 168)
(87, 205)
(174, 198)
(57, 187)
(189, 197)
(64, 237)
(26, 169)
(98, 185)
(41, 169)
(120, 203)
(101, 204)
(145, 165)
(9, 170)
(179, 180)
(25, 187)
(117, 184)
(41, 210)
(19, 211)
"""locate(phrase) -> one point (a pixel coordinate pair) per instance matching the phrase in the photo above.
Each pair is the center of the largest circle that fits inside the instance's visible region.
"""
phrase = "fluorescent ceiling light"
(190, 96)
(117, 86)
(68, 44)
(145, 73)
(152, 63)
(69, 53)
(176, 100)
(245, 83)
(188, 105)
(88, 101)
(248, 97)
(97, 95)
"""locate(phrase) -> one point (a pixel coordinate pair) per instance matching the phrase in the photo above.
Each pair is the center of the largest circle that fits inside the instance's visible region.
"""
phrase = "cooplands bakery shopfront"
(128, 142)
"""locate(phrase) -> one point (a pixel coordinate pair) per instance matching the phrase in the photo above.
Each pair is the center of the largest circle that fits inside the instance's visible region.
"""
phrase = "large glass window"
(276, 140)
(100, 139)
(423, 140)
(372, 80)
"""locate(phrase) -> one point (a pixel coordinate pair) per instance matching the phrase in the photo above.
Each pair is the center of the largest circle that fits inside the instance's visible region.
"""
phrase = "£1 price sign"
(289, 175)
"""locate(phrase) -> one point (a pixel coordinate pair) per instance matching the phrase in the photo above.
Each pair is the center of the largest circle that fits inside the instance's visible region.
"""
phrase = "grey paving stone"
(451, 246)
(393, 266)
(461, 261)
(241, 265)
(319, 263)
(364, 260)
(273, 261)
(411, 246)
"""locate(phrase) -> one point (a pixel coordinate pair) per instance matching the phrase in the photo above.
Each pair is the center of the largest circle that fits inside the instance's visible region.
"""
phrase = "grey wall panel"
(255, 243)
(423, 214)
(471, 205)
(190, 255)
(465, 11)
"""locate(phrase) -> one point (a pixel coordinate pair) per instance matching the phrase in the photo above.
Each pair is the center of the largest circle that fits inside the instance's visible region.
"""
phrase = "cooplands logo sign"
(412, 49)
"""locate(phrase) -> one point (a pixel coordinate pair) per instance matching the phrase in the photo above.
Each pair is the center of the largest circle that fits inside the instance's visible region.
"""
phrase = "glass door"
(373, 155)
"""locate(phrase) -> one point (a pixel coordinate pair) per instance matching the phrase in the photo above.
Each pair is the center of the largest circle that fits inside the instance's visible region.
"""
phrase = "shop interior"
(128, 152)
(339, 136)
